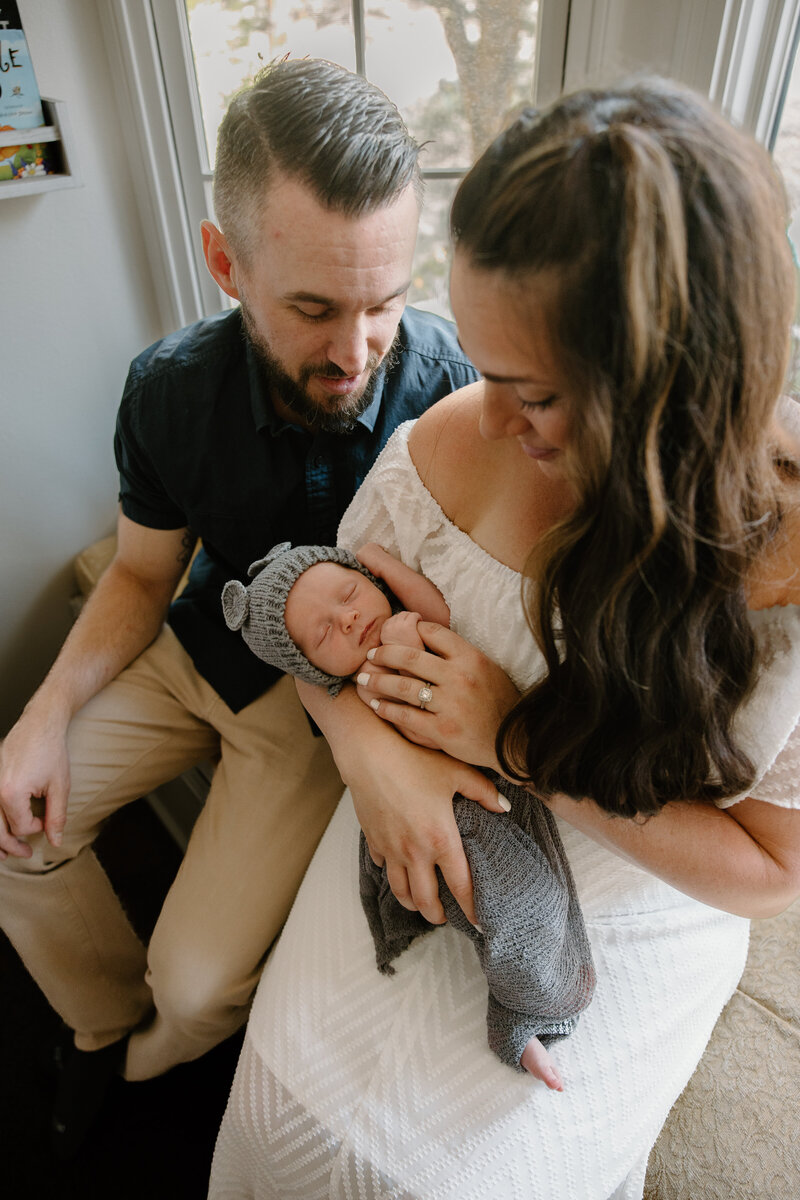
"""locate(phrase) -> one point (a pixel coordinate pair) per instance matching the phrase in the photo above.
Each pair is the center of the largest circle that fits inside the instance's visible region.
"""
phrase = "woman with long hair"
(613, 517)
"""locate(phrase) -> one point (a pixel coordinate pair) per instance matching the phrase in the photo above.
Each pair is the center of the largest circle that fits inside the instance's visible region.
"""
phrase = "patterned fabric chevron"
(355, 1085)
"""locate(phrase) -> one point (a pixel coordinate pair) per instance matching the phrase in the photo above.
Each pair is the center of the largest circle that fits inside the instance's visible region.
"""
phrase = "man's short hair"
(320, 124)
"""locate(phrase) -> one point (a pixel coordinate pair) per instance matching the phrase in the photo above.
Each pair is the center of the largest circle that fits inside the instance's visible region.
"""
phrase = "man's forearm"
(120, 619)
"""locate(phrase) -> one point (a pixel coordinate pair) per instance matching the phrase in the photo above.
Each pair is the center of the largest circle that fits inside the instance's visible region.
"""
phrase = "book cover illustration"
(21, 160)
(20, 102)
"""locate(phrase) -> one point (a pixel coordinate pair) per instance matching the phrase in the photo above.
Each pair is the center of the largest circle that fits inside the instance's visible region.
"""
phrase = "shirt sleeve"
(781, 783)
(768, 725)
(142, 495)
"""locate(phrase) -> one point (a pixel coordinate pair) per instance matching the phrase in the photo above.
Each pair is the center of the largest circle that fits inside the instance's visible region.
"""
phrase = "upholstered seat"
(734, 1133)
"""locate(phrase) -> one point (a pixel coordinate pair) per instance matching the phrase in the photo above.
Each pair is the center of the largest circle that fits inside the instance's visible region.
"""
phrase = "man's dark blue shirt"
(198, 444)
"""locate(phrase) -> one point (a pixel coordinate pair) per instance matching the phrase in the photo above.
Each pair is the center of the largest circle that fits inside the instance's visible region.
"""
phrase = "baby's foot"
(537, 1060)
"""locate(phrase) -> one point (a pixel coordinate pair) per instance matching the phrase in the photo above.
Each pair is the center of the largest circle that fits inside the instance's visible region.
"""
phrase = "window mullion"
(753, 59)
(359, 34)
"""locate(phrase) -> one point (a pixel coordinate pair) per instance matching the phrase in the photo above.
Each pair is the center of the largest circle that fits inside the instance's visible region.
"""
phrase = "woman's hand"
(469, 693)
(403, 797)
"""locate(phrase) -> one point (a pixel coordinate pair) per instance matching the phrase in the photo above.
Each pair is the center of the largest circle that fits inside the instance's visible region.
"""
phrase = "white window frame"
(136, 64)
(606, 45)
(738, 51)
(754, 58)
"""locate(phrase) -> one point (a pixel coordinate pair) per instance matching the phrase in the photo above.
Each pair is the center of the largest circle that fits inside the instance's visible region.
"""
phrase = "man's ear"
(219, 259)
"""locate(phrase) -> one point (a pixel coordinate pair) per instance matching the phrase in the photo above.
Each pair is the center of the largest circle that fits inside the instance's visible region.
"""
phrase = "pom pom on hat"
(235, 604)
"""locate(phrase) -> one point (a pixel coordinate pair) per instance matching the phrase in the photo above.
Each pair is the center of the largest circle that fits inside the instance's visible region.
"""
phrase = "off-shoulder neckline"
(405, 430)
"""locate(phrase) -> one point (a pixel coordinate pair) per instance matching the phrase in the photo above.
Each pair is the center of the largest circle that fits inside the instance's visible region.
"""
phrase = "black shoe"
(82, 1087)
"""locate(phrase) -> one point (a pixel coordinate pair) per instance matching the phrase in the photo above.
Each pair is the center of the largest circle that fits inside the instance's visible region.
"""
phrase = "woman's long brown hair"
(665, 231)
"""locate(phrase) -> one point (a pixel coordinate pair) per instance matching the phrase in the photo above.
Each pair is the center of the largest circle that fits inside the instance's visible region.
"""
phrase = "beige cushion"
(733, 1133)
(91, 562)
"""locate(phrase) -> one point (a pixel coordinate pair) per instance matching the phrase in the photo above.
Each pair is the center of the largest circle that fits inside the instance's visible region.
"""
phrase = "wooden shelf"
(57, 130)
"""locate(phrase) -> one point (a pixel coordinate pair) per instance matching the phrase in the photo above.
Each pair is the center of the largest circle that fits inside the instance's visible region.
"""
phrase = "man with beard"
(246, 429)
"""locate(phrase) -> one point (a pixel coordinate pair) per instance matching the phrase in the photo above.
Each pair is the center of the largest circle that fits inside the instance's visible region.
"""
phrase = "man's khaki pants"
(274, 789)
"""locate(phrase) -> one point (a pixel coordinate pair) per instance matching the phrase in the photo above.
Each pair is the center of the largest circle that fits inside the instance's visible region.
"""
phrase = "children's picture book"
(21, 160)
(20, 102)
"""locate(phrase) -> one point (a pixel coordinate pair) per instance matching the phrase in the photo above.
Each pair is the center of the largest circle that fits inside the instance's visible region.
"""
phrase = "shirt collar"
(265, 416)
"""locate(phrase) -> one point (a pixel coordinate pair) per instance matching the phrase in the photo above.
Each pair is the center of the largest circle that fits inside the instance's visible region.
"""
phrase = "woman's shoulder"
(450, 456)
(457, 416)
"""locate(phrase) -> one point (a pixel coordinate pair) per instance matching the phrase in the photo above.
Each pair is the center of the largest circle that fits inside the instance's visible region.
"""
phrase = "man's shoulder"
(204, 345)
(432, 337)
(430, 364)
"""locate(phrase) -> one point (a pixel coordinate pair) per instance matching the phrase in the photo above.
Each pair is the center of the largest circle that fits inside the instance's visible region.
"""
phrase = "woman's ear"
(219, 259)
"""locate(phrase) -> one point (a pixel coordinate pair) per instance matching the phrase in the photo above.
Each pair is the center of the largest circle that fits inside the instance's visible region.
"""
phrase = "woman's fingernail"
(479, 928)
(363, 679)
(504, 804)
(371, 653)
(374, 704)
(55, 838)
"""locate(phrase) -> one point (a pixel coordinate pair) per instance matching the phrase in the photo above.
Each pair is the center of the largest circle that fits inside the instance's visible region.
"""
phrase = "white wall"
(77, 304)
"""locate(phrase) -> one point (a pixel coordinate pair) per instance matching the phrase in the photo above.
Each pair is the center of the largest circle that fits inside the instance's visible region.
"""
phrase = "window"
(455, 69)
(785, 144)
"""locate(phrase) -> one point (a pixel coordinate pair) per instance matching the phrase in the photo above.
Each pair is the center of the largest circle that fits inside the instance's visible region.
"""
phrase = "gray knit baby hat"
(258, 609)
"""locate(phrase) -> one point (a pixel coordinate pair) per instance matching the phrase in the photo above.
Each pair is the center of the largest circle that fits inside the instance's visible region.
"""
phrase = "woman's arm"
(744, 859)
(403, 797)
(413, 590)
(471, 694)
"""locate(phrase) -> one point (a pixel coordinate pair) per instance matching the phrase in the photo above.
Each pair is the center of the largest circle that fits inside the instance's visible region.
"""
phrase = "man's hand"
(122, 616)
(33, 764)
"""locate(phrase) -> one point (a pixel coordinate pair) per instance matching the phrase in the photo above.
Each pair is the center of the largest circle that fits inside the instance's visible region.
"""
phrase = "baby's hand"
(401, 629)
(536, 1060)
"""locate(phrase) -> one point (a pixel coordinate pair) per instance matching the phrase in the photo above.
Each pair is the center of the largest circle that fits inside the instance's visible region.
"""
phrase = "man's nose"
(349, 346)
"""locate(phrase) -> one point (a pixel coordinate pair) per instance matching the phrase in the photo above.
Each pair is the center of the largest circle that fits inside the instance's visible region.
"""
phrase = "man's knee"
(197, 996)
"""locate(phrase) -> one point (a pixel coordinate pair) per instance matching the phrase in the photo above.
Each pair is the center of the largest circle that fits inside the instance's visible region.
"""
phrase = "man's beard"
(294, 392)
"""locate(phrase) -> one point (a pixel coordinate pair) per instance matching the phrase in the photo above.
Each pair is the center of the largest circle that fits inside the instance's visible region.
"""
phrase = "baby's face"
(335, 615)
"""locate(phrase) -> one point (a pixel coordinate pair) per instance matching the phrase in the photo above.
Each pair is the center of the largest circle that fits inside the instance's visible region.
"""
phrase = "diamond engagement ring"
(425, 695)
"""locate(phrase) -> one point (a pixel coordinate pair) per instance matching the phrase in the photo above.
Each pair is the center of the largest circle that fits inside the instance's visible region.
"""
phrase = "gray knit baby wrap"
(533, 946)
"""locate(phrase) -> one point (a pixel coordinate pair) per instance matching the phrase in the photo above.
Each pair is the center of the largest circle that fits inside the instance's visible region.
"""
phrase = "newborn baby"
(315, 612)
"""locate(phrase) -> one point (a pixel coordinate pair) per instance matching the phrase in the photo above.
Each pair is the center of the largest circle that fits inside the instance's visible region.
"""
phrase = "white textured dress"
(359, 1086)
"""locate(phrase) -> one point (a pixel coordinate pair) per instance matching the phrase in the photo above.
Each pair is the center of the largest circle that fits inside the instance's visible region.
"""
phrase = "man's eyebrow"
(308, 298)
(327, 302)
